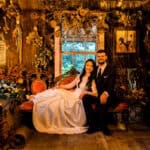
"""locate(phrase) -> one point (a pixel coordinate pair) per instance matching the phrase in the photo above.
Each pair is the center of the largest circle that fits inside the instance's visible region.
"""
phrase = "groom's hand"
(103, 98)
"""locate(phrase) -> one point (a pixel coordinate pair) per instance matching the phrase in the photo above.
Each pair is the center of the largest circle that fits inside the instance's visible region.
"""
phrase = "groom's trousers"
(96, 117)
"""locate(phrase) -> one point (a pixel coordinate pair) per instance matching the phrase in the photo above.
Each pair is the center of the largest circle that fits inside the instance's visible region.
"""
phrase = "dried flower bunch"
(128, 18)
(34, 38)
(77, 20)
(42, 58)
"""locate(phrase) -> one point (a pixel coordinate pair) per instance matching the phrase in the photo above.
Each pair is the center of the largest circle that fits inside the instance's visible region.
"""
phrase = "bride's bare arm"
(69, 85)
(94, 91)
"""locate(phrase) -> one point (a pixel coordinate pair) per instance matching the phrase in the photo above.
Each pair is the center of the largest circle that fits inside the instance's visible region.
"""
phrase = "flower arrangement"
(11, 90)
(2, 73)
(12, 83)
(137, 94)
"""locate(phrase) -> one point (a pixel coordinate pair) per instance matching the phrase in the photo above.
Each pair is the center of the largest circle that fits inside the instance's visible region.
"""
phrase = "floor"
(136, 138)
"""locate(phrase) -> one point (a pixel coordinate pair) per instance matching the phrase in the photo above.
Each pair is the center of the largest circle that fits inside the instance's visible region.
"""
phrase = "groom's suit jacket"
(106, 81)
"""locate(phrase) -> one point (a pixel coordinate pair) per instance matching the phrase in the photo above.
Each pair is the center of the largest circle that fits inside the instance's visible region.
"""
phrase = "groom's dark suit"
(104, 82)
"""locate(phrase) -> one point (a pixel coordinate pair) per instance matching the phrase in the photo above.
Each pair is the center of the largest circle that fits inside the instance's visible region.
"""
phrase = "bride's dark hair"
(91, 77)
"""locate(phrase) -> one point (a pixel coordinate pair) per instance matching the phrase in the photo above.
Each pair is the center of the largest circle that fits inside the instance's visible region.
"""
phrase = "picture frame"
(125, 41)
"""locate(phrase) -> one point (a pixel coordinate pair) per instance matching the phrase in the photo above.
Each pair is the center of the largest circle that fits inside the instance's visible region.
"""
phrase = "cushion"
(26, 106)
(38, 86)
(67, 79)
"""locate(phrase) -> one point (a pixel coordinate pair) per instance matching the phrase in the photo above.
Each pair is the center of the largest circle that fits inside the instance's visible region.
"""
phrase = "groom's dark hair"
(101, 51)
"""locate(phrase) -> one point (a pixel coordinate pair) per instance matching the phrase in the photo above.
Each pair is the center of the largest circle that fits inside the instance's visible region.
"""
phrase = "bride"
(60, 110)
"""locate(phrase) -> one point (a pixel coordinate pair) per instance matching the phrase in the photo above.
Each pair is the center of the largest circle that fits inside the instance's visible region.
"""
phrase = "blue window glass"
(79, 60)
(75, 53)
(90, 46)
(79, 46)
(67, 46)
(66, 62)
(90, 56)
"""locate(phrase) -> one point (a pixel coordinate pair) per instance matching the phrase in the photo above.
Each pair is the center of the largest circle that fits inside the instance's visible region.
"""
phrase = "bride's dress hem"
(78, 130)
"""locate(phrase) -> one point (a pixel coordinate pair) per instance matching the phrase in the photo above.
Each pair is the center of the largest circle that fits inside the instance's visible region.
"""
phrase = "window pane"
(79, 46)
(66, 62)
(79, 62)
(67, 46)
(90, 46)
(90, 56)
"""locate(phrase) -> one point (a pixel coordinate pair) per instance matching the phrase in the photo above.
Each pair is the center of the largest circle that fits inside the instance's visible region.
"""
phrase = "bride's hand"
(82, 94)
(57, 85)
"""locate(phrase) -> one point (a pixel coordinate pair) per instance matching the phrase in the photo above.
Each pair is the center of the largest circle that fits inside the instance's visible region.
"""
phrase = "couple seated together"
(60, 110)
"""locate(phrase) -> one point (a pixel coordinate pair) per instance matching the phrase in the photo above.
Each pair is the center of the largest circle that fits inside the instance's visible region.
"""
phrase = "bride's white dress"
(60, 111)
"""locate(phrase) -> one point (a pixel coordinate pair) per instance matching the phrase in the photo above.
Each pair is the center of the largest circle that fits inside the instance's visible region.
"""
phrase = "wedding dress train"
(59, 111)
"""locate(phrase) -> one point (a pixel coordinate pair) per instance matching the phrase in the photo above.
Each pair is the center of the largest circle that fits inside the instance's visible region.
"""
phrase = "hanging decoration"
(126, 19)
(36, 41)
(43, 54)
(80, 22)
(8, 13)
(17, 35)
(34, 38)
(147, 38)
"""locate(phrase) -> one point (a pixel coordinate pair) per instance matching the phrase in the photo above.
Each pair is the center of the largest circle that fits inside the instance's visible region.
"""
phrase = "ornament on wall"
(12, 10)
(43, 55)
(17, 35)
(147, 38)
(34, 38)
(8, 13)
(101, 21)
(126, 19)
(81, 22)
(36, 42)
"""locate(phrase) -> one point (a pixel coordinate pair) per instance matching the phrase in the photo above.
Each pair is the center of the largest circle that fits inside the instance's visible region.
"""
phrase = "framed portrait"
(125, 41)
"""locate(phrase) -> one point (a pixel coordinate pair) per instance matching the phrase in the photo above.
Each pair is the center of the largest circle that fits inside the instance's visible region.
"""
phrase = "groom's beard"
(101, 63)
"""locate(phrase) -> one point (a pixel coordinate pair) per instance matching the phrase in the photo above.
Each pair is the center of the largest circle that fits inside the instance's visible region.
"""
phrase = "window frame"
(99, 40)
(77, 52)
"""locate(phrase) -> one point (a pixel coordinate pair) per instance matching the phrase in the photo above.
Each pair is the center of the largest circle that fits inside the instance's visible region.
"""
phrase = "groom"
(105, 80)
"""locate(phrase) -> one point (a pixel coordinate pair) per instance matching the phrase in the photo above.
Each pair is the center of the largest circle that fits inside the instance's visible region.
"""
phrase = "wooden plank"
(131, 140)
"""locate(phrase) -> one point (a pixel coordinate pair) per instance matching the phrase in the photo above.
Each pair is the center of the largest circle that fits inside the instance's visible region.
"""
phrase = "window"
(73, 48)
(75, 53)
(77, 47)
